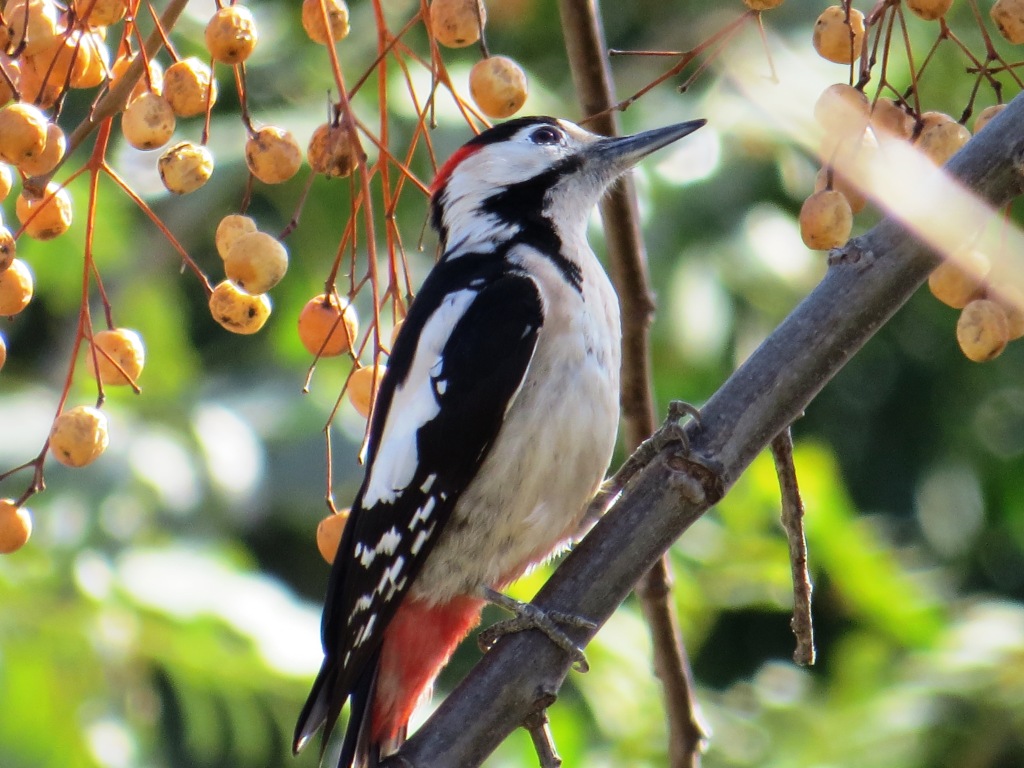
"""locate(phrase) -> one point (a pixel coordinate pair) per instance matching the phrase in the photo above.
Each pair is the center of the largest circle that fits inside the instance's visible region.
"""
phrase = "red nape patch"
(445, 171)
(417, 642)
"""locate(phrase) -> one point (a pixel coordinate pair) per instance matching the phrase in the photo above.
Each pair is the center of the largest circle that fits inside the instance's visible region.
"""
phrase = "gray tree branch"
(871, 278)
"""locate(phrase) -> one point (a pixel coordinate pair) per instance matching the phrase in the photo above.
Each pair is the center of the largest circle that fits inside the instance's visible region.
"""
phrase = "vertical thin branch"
(587, 50)
(793, 522)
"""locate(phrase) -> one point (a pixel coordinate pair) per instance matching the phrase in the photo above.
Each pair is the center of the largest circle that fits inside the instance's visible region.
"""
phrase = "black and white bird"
(493, 426)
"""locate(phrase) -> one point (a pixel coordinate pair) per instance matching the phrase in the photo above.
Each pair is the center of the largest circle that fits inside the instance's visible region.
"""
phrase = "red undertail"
(417, 643)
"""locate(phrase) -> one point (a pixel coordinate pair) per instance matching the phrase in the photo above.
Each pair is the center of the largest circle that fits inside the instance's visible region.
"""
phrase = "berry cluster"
(857, 128)
(49, 48)
(496, 83)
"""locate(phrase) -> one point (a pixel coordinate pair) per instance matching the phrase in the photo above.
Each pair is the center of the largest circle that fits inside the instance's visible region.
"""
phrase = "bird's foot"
(671, 431)
(529, 616)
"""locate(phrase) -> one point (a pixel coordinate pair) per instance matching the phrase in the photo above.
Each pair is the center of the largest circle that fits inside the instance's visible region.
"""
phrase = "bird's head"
(530, 167)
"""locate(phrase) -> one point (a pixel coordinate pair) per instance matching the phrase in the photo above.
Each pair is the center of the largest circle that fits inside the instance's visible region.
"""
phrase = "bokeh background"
(165, 612)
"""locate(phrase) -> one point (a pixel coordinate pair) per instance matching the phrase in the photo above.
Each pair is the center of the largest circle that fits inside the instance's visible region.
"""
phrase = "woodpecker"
(493, 426)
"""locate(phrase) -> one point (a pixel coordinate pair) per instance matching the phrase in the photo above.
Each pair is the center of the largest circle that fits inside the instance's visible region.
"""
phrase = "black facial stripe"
(522, 205)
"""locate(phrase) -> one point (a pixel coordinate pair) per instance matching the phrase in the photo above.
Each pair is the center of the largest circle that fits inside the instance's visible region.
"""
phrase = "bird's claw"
(529, 616)
(671, 430)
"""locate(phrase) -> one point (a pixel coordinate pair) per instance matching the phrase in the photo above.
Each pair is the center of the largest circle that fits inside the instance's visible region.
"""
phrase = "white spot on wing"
(421, 539)
(389, 542)
(429, 482)
(423, 513)
(366, 555)
(413, 405)
(390, 576)
(365, 631)
(396, 568)
(364, 603)
(441, 386)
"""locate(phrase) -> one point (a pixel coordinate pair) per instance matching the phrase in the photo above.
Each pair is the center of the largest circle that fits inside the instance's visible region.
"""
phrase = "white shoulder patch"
(413, 405)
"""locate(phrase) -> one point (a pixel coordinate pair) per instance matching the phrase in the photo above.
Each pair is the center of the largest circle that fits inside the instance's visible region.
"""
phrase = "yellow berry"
(837, 39)
(889, 120)
(22, 132)
(825, 220)
(256, 262)
(982, 330)
(96, 61)
(332, 150)
(328, 534)
(185, 167)
(762, 5)
(123, 347)
(854, 196)
(79, 436)
(842, 110)
(36, 86)
(231, 34)
(273, 155)
(187, 86)
(986, 115)
(15, 526)
(230, 228)
(46, 217)
(328, 325)
(362, 387)
(1011, 299)
(148, 122)
(960, 279)
(313, 20)
(101, 13)
(6, 181)
(16, 288)
(238, 311)
(153, 84)
(60, 62)
(457, 23)
(929, 10)
(498, 86)
(941, 137)
(8, 248)
(32, 24)
(52, 154)
(1009, 18)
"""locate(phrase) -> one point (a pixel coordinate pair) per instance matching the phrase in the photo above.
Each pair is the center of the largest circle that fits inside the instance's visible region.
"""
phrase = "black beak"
(619, 154)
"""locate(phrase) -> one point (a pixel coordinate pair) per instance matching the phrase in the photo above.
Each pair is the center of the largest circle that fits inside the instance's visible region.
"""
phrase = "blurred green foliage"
(166, 610)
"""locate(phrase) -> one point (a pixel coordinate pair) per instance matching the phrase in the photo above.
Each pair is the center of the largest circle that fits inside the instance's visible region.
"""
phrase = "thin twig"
(793, 522)
(539, 728)
(588, 60)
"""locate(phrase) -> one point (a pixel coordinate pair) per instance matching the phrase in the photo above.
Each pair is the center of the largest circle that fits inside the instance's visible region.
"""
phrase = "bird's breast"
(551, 453)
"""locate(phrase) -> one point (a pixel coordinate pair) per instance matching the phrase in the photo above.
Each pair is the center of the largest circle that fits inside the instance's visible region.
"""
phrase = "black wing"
(458, 362)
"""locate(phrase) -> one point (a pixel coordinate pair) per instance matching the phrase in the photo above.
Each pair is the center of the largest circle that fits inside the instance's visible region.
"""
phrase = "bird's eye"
(546, 135)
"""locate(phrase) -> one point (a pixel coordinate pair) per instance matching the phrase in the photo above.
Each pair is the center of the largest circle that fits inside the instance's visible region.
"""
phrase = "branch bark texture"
(871, 278)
